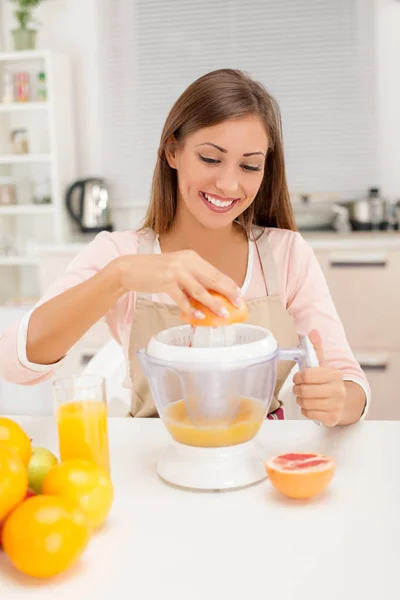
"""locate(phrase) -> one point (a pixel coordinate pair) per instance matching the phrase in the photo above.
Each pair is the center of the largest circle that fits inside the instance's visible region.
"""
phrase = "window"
(314, 56)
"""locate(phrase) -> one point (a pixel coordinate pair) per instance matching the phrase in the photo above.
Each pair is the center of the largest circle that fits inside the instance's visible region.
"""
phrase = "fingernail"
(238, 303)
(223, 312)
(198, 314)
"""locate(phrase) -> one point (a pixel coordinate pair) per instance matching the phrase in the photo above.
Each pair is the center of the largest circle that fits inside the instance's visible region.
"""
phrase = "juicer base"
(213, 469)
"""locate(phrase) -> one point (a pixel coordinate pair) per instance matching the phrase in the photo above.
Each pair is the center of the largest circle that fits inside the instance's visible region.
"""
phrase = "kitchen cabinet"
(364, 281)
(383, 373)
(365, 286)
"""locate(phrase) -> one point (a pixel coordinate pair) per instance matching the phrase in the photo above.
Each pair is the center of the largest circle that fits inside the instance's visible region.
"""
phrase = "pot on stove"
(371, 213)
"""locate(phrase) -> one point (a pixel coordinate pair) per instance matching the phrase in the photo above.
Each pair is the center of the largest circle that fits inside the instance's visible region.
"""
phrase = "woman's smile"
(216, 203)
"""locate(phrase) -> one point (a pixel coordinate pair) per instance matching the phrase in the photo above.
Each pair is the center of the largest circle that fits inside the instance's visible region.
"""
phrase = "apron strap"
(146, 242)
(145, 246)
(267, 263)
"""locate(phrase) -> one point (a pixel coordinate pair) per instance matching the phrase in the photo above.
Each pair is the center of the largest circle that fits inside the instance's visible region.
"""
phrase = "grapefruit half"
(300, 475)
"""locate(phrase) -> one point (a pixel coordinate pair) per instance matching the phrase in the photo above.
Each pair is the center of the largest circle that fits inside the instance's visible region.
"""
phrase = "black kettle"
(87, 201)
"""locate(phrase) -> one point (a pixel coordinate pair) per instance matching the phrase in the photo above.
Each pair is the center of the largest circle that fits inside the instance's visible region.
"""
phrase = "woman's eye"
(209, 161)
(250, 168)
(214, 161)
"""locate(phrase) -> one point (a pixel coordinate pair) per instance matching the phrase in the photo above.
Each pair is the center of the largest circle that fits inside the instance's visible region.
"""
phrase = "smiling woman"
(226, 181)
(219, 220)
(223, 137)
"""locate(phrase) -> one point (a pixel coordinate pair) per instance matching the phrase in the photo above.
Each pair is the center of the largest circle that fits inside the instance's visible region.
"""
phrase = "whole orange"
(84, 482)
(13, 480)
(12, 434)
(45, 535)
(29, 494)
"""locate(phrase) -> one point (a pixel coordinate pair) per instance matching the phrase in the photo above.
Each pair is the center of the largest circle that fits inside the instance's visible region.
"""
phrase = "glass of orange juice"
(81, 413)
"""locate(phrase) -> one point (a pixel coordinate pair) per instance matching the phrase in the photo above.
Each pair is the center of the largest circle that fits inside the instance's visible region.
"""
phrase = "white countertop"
(354, 240)
(162, 542)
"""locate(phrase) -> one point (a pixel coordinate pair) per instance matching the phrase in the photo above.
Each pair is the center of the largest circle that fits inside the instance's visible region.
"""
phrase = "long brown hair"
(215, 97)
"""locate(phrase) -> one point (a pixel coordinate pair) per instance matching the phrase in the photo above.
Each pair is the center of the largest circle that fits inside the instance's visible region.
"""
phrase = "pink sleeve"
(95, 256)
(309, 301)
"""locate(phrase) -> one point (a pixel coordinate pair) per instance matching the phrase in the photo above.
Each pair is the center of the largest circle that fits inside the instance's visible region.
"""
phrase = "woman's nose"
(227, 183)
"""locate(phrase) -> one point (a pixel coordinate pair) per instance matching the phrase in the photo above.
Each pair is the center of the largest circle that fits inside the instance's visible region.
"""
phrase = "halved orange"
(235, 314)
(300, 475)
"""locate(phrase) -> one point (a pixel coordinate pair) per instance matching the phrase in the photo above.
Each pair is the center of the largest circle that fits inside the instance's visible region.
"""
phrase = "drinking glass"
(82, 418)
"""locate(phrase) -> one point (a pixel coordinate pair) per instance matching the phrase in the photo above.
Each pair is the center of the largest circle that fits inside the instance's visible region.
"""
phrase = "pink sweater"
(302, 287)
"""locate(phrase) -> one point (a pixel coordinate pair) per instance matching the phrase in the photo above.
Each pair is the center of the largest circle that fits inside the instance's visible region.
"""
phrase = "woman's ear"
(170, 151)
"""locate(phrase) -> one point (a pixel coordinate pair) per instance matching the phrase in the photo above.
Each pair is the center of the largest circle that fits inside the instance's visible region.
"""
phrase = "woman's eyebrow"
(225, 151)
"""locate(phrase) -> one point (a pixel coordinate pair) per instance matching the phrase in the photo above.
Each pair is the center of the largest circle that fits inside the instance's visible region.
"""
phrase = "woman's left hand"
(320, 391)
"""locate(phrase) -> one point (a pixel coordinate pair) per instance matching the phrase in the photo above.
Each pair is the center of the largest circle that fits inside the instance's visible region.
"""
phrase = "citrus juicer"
(212, 388)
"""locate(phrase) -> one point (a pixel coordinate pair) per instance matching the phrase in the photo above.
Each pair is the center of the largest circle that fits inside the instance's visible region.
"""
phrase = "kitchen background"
(88, 103)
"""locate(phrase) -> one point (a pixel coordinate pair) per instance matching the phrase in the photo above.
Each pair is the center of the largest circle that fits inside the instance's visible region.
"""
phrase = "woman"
(219, 218)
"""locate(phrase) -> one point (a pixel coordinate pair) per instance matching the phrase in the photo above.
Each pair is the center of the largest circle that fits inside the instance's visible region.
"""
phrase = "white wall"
(388, 90)
(71, 26)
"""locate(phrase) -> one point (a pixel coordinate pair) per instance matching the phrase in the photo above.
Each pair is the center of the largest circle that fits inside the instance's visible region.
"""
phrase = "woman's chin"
(214, 220)
(221, 222)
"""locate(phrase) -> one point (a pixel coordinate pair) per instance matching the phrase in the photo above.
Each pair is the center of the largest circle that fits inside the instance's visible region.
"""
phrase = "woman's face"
(220, 170)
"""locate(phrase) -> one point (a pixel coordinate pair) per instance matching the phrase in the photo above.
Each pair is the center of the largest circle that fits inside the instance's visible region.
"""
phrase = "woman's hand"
(181, 275)
(320, 391)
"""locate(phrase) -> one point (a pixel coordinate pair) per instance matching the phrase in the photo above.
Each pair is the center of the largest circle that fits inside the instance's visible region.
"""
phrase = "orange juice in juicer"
(212, 387)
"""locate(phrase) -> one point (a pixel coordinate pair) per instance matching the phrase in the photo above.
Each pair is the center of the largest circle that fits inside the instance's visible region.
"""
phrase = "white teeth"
(219, 203)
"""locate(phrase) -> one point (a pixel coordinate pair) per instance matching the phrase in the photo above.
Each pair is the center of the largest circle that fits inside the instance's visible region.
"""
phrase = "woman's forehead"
(244, 135)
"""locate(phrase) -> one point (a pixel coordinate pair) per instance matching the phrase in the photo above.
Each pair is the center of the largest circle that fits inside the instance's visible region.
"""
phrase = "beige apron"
(149, 318)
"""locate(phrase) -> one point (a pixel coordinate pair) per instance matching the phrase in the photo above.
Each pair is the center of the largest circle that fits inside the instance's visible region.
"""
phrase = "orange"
(13, 480)
(28, 494)
(45, 535)
(235, 314)
(300, 475)
(85, 483)
(13, 435)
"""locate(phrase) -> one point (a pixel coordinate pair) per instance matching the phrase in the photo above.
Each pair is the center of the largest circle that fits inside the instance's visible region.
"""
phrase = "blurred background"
(85, 87)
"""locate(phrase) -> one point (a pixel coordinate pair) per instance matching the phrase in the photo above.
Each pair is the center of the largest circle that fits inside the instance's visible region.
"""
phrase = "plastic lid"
(173, 345)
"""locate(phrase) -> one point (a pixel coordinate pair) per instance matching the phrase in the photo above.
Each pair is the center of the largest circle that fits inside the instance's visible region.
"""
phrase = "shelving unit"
(40, 176)
(22, 107)
(19, 261)
(16, 159)
(26, 210)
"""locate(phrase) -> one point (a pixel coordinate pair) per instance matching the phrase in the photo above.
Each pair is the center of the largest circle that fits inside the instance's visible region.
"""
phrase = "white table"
(166, 543)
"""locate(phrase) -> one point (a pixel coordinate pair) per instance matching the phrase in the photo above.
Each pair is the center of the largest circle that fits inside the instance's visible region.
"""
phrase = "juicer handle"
(310, 356)
(304, 355)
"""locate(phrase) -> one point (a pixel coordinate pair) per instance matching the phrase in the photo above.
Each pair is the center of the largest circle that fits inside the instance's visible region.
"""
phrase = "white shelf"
(27, 209)
(23, 55)
(23, 106)
(55, 162)
(22, 261)
(129, 205)
(15, 159)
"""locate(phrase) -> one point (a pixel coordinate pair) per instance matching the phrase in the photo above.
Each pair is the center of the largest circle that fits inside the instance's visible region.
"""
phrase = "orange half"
(300, 475)
(235, 314)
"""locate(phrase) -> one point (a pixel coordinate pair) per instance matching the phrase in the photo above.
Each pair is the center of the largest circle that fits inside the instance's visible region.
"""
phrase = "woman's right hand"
(181, 275)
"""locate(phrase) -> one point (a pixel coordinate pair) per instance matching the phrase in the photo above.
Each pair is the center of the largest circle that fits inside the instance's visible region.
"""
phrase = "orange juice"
(242, 428)
(82, 431)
